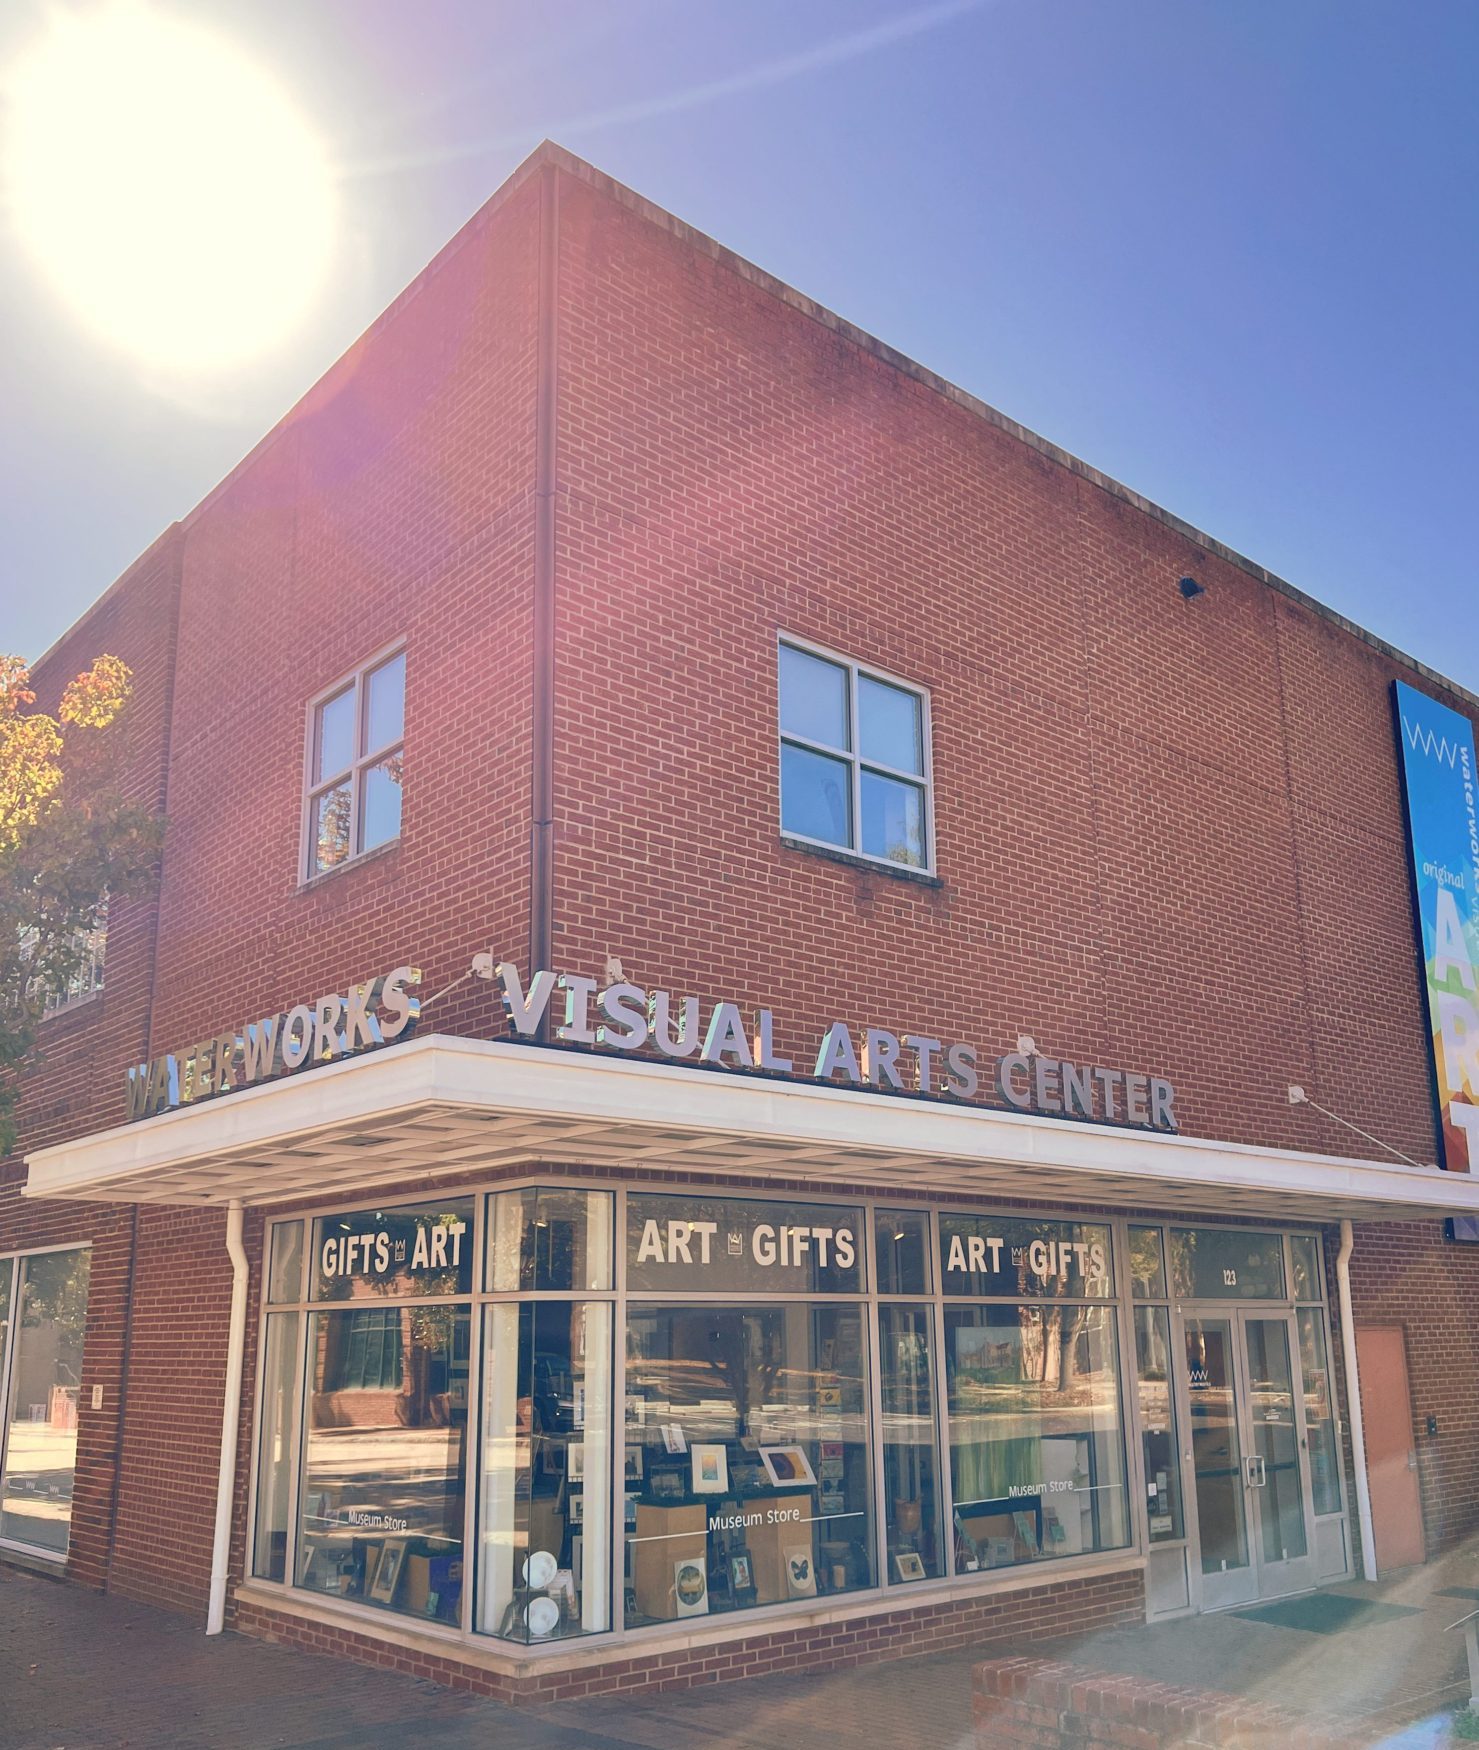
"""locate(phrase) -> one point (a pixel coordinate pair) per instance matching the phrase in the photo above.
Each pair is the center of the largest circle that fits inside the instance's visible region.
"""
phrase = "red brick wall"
(394, 501)
(81, 1051)
(1149, 812)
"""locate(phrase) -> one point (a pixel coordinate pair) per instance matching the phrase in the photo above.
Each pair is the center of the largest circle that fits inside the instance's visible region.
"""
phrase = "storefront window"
(381, 1512)
(1221, 1263)
(903, 1249)
(747, 1444)
(380, 1509)
(275, 1423)
(1161, 1450)
(911, 1484)
(548, 1240)
(1036, 1445)
(46, 1379)
(1319, 1411)
(425, 1250)
(546, 1472)
(1007, 1255)
(1147, 1264)
(726, 1245)
(1304, 1259)
(285, 1272)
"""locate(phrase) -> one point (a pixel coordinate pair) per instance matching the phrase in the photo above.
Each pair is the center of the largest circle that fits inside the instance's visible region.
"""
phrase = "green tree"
(69, 840)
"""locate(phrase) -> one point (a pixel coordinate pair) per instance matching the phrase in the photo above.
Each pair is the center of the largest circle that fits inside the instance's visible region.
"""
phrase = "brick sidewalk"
(83, 1672)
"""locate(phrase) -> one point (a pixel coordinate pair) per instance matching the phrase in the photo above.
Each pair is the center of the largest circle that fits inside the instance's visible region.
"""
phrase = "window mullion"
(856, 837)
(356, 774)
(789, 737)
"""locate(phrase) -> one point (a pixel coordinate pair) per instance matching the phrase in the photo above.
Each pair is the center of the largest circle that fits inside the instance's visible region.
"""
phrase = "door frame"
(1300, 1574)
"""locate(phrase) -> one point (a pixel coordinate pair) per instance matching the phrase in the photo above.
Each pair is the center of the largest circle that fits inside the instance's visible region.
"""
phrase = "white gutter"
(230, 1419)
(1353, 1397)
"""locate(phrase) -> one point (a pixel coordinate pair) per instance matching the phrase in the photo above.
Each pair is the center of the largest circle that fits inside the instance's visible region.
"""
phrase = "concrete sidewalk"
(82, 1672)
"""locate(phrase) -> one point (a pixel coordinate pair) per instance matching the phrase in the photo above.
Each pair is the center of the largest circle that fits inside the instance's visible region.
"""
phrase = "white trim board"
(440, 1105)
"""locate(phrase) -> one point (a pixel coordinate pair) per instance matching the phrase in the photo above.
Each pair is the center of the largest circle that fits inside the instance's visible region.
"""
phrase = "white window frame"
(361, 760)
(923, 780)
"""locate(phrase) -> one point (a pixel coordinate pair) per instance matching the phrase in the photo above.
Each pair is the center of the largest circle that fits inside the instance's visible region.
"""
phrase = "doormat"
(1326, 1613)
(1469, 1592)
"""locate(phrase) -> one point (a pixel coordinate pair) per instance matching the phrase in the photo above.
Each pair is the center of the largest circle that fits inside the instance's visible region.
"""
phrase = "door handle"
(1411, 1460)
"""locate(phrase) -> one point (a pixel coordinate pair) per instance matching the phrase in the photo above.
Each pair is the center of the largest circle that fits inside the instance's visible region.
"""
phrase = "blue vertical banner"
(1437, 750)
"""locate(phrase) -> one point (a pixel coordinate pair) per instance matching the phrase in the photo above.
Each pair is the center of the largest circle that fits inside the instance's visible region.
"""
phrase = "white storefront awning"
(440, 1106)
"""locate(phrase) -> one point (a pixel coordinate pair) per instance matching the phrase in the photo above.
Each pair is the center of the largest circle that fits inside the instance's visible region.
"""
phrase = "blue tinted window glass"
(380, 811)
(385, 704)
(893, 819)
(889, 726)
(813, 698)
(335, 738)
(816, 796)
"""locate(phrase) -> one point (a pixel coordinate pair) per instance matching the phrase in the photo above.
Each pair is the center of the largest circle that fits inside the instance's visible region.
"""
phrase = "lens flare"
(167, 187)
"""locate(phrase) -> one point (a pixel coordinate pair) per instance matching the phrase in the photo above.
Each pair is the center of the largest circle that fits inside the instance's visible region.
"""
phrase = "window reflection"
(903, 1251)
(910, 1450)
(274, 1439)
(747, 1451)
(1319, 1412)
(1220, 1263)
(1158, 1422)
(382, 1506)
(1036, 1448)
(546, 1530)
(41, 1447)
(550, 1239)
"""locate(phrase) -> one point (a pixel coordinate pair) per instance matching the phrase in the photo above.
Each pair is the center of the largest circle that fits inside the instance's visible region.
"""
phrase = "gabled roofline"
(548, 152)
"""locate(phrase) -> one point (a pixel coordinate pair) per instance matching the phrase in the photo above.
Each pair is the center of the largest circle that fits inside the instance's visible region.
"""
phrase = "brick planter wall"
(1039, 1704)
(1066, 1607)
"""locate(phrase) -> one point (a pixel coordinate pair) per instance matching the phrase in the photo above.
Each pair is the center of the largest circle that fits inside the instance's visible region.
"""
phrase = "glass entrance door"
(1276, 1461)
(1250, 1475)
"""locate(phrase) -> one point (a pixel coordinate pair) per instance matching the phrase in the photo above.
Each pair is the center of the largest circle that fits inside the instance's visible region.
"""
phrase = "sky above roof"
(1226, 253)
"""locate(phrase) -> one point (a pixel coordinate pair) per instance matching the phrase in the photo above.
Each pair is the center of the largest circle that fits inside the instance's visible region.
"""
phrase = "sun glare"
(167, 187)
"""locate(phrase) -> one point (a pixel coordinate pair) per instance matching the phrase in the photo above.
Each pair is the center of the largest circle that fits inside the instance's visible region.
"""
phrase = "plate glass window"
(381, 1493)
(355, 737)
(854, 759)
(50, 1320)
(1036, 1446)
(748, 1457)
(911, 1479)
(1214, 1263)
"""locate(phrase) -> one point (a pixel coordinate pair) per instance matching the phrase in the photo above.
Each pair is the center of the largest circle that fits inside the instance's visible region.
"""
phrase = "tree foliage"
(69, 841)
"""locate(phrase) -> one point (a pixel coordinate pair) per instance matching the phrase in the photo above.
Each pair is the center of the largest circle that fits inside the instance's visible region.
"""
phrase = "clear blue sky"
(1225, 250)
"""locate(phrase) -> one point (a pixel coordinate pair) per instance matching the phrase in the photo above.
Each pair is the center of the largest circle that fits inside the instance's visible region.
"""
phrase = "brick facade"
(1148, 810)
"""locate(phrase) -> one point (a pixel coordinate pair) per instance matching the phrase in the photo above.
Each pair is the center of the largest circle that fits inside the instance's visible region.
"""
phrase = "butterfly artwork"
(801, 1577)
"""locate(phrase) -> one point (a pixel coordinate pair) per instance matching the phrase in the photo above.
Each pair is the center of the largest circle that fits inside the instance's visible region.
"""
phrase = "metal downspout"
(230, 1419)
(542, 704)
(1353, 1397)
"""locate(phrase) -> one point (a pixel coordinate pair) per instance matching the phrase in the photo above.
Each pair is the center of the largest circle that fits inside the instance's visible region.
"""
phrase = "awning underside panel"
(440, 1107)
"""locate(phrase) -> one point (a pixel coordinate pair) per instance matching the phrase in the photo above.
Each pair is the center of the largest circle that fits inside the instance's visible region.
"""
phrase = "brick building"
(709, 1067)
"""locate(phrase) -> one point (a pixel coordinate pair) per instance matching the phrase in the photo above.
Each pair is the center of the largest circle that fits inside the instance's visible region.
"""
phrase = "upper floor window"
(854, 758)
(83, 976)
(355, 732)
